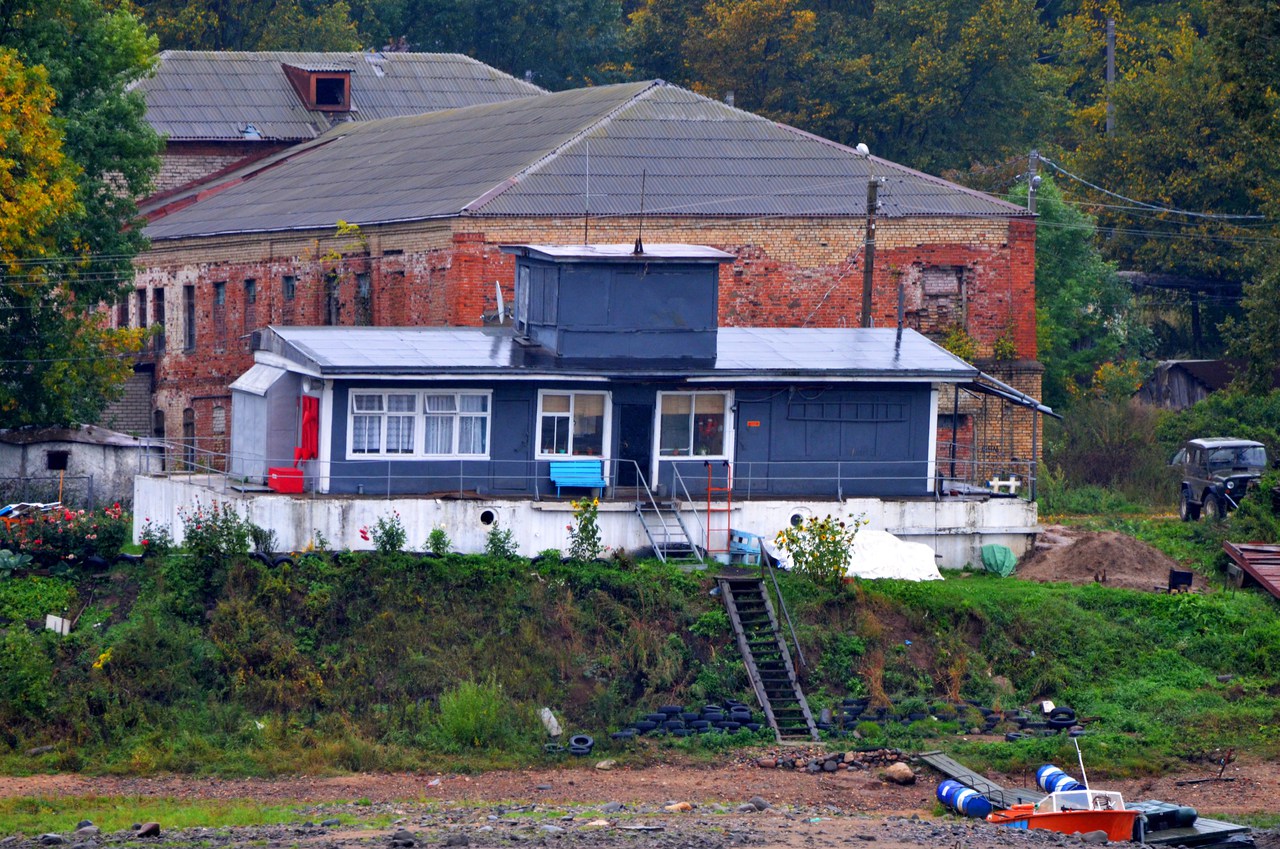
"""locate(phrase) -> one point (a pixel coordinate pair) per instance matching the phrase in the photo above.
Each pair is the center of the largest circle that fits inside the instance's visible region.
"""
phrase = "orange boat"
(1072, 811)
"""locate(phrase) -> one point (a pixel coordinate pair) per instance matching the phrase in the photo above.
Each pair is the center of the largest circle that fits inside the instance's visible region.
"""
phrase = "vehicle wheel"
(1187, 511)
(1214, 509)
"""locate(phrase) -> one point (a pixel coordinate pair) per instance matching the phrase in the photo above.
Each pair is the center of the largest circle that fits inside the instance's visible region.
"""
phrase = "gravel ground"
(577, 805)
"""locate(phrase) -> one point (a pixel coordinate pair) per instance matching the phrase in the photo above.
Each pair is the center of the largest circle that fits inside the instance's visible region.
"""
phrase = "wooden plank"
(1256, 559)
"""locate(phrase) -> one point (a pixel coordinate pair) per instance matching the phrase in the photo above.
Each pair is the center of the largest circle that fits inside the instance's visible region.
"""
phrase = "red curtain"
(310, 447)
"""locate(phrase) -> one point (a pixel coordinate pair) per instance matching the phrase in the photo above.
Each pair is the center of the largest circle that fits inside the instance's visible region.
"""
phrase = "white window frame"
(726, 443)
(606, 439)
(458, 415)
(419, 416)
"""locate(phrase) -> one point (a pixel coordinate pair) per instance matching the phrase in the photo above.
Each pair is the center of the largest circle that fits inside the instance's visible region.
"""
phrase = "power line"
(1150, 206)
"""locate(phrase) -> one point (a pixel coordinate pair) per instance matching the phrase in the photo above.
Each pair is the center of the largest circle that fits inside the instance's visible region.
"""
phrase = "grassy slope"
(340, 664)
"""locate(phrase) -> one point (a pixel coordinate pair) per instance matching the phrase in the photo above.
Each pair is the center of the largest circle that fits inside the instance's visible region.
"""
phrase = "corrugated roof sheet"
(742, 352)
(212, 95)
(540, 156)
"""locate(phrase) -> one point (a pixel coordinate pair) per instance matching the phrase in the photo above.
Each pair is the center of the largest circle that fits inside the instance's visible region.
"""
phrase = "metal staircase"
(767, 657)
(667, 531)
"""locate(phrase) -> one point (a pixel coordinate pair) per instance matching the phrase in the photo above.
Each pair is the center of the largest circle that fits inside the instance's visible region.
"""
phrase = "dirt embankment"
(1075, 556)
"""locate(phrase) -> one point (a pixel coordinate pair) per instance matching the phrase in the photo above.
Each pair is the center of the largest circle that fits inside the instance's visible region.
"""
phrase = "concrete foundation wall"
(956, 530)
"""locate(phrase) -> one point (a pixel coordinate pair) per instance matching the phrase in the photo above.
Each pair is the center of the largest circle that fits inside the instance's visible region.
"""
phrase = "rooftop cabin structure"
(778, 421)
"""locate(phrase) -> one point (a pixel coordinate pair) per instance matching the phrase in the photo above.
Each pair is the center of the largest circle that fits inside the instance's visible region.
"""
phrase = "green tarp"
(999, 559)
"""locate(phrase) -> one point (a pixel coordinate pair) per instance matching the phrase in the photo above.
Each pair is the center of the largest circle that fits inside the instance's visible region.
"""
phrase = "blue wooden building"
(613, 360)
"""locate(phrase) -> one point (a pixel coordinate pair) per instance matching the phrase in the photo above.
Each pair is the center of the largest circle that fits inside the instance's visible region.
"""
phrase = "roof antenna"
(640, 235)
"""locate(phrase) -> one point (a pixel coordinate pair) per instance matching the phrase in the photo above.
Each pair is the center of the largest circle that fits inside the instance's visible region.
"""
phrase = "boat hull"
(1117, 824)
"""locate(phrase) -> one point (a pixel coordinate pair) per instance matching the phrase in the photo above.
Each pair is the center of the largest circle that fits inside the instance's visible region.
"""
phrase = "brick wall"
(182, 162)
(787, 272)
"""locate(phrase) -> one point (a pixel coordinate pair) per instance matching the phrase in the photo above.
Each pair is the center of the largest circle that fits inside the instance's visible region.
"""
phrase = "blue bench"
(585, 473)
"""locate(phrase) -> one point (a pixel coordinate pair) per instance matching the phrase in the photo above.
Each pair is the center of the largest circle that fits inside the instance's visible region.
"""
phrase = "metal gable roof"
(213, 95)
(543, 156)
(742, 353)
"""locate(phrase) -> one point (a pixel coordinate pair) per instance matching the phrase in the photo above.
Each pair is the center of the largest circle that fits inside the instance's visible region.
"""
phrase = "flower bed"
(68, 537)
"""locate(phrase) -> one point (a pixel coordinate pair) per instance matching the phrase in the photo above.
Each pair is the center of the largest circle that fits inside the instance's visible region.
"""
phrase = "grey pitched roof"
(212, 95)
(743, 353)
(560, 154)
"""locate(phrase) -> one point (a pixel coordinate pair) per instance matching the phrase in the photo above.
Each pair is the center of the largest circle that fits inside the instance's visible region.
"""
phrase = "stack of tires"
(679, 721)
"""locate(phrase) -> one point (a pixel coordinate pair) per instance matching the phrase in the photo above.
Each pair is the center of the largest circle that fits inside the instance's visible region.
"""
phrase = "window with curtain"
(572, 423)
(692, 424)
(387, 423)
(457, 423)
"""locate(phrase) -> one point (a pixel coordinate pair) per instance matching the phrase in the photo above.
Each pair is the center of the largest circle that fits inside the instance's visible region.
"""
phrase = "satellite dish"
(863, 149)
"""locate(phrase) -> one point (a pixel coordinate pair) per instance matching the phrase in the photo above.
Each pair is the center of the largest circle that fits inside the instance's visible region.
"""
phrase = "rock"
(606, 765)
(403, 834)
(87, 844)
(551, 829)
(543, 787)
(13, 838)
(1098, 836)
(457, 840)
(597, 824)
(759, 803)
(52, 839)
(1222, 679)
(678, 808)
(899, 773)
(148, 829)
(849, 757)
(39, 750)
(746, 808)
(830, 766)
(83, 824)
(86, 831)
(611, 807)
(767, 763)
(331, 823)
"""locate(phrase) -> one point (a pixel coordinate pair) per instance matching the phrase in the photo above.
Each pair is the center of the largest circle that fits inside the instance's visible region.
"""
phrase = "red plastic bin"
(285, 479)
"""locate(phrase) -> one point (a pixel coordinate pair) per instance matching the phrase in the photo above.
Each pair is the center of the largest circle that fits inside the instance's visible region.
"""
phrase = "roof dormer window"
(321, 89)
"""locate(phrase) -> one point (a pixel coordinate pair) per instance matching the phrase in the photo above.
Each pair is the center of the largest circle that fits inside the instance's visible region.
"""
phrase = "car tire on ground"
(1214, 509)
(1187, 511)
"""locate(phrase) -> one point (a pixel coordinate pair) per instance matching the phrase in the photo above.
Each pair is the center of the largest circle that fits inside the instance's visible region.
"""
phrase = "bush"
(215, 534)
(25, 677)
(820, 548)
(155, 538)
(584, 530)
(387, 534)
(1112, 444)
(478, 716)
(438, 542)
(500, 543)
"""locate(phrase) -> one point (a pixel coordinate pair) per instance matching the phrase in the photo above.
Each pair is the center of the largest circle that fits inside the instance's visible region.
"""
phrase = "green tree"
(252, 24)
(91, 54)
(60, 362)
(1084, 314)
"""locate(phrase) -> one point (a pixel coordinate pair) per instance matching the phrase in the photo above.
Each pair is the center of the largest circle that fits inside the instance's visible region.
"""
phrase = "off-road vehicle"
(1216, 473)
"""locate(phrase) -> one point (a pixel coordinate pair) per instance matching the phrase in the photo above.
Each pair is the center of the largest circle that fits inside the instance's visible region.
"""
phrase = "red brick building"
(434, 196)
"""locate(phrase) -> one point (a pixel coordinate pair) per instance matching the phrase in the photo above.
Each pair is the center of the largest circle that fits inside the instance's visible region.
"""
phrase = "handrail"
(750, 478)
(766, 562)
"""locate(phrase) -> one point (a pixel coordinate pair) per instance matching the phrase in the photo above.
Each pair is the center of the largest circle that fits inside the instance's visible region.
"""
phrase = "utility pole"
(1033, 179)
(1111, 72)
(869, 252)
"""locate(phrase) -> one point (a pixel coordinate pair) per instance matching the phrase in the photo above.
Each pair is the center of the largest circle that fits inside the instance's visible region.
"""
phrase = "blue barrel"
(971, 803)
(947, 792)
(1053, 780)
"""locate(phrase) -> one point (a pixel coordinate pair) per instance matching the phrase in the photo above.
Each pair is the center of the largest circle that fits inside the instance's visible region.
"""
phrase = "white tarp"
(879, 554)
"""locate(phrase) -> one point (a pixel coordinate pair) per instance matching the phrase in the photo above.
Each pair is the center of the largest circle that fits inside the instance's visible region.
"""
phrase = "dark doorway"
(635, 442)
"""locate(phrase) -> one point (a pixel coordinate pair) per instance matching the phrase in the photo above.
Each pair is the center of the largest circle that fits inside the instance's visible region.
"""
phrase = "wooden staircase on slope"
(767, 658)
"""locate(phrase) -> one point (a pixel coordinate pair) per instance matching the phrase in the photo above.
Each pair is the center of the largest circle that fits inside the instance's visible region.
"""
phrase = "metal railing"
(963, 476)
